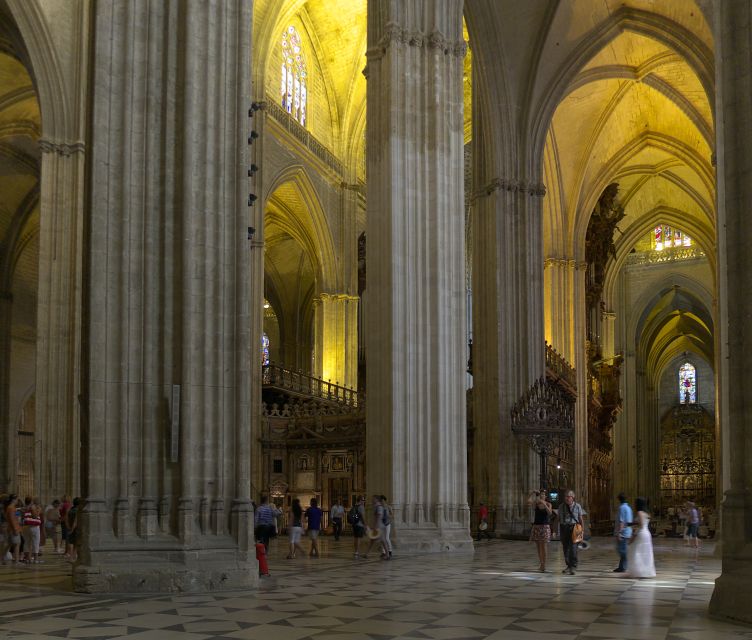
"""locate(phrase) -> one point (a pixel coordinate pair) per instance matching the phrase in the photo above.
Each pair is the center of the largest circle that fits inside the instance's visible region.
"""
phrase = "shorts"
(73, 536)
(359, 532)
(295, 533)
(313, 533)
(540, 533)
(692, 530)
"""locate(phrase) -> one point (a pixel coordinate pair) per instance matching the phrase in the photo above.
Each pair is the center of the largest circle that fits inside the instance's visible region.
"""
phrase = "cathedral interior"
(444, 251)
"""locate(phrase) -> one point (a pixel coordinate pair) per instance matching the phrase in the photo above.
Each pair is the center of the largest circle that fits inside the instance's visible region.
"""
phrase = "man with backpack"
(356, 518)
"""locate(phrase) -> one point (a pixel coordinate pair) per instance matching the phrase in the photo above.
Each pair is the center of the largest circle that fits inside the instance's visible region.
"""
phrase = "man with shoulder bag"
(570, 517)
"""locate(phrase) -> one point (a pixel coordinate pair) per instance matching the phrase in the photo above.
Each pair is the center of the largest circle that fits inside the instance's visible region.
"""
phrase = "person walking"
(264, 522)
(483, 522)
(379, 527)
(313, 523)
(540, 533)
(13, 528)
(387, 528)
(693, 525)
(640, 553)
(570, 514)
(51, 522)
(295, 528)
(337, 516)
(356, 518)
(623, 531)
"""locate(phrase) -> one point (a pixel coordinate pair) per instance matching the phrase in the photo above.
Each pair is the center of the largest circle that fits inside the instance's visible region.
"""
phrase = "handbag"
(577, 533)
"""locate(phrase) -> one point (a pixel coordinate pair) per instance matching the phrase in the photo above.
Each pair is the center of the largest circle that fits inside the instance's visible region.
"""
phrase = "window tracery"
(293, 89)
(687, 384)
(666, 237)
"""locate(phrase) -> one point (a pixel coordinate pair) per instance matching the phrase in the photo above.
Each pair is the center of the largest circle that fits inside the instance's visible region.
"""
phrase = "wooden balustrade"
(559, 370)
(287, 379)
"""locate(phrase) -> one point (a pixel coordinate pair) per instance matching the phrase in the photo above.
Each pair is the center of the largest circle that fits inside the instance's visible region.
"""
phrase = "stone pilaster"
(166, 430)
(734, 170)
(415, 325)
(336, 327)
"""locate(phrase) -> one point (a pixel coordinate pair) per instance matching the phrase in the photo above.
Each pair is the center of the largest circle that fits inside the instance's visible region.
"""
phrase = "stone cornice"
(394, 34)
(516, 186)
(61, 148)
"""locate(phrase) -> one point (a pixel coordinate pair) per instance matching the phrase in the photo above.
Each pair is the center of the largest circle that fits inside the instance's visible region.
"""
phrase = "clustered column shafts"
(170, 284)
(734, 88)
(416, 439)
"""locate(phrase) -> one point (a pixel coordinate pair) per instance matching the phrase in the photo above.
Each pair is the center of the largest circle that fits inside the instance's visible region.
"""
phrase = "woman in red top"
(32, 521)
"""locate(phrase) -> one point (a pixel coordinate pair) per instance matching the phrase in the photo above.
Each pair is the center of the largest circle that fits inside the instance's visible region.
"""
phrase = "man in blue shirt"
(623, 532)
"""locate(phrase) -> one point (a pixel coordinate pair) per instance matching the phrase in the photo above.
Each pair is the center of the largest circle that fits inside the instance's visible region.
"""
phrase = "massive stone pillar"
(734, 170)
(415, 325)
(166, 428)
(59, 316)
(508, 302)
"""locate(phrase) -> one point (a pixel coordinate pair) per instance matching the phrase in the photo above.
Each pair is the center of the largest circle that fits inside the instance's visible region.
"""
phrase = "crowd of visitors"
(366, 533)
(25, 527)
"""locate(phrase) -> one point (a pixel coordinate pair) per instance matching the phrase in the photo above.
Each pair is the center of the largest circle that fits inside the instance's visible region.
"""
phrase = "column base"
(417, 541)
(730, 599)
(166, 570)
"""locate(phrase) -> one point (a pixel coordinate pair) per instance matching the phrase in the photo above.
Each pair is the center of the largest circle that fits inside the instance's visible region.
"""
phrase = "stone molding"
(331, 297)
(515, 186)
(395, 34)
(64, 149)
(571, 263)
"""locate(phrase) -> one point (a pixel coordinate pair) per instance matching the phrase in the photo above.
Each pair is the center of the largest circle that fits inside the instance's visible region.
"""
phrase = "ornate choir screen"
(688, 457)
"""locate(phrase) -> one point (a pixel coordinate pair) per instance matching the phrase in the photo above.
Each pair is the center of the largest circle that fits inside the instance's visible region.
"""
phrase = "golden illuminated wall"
(319, 120)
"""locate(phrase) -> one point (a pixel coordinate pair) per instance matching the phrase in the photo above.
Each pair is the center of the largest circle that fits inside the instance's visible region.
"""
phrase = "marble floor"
(497, 593)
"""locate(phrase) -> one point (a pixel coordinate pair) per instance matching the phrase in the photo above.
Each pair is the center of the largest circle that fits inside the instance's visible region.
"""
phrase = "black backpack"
(353, 516)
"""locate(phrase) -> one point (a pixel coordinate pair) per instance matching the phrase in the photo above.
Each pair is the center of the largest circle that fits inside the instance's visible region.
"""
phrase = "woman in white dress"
(640, 561)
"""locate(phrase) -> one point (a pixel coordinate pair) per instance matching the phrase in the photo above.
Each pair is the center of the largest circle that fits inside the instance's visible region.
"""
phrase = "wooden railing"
(287, 379)
(559, 370)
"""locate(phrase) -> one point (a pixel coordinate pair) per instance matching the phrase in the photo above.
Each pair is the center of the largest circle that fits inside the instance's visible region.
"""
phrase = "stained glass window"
(687, 384)
(294, 76)
(264, 350)
(666, 237)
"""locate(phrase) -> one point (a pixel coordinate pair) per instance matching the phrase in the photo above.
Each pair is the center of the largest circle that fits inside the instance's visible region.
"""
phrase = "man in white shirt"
(337, 515)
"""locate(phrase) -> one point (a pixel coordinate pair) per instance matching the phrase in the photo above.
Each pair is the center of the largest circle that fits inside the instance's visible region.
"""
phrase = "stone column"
(416, 437)
(168, 353)
(734, 179)
(59, 315)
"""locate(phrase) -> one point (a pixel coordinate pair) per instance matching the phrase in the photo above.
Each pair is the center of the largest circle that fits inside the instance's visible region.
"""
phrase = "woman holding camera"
(541, 531)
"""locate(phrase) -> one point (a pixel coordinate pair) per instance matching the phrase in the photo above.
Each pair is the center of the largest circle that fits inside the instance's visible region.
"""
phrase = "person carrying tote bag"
(570, 517)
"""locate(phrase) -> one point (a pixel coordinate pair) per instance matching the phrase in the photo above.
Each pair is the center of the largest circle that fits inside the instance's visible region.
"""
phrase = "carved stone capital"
(64, 149)
(394, 34)
(513, 185)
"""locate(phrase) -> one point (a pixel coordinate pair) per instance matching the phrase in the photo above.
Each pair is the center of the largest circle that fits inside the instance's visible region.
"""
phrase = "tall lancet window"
(264, 350)
(687, 384)
(294, 76)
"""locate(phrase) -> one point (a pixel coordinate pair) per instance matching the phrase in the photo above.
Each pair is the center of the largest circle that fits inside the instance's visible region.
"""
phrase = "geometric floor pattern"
(497, 593)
